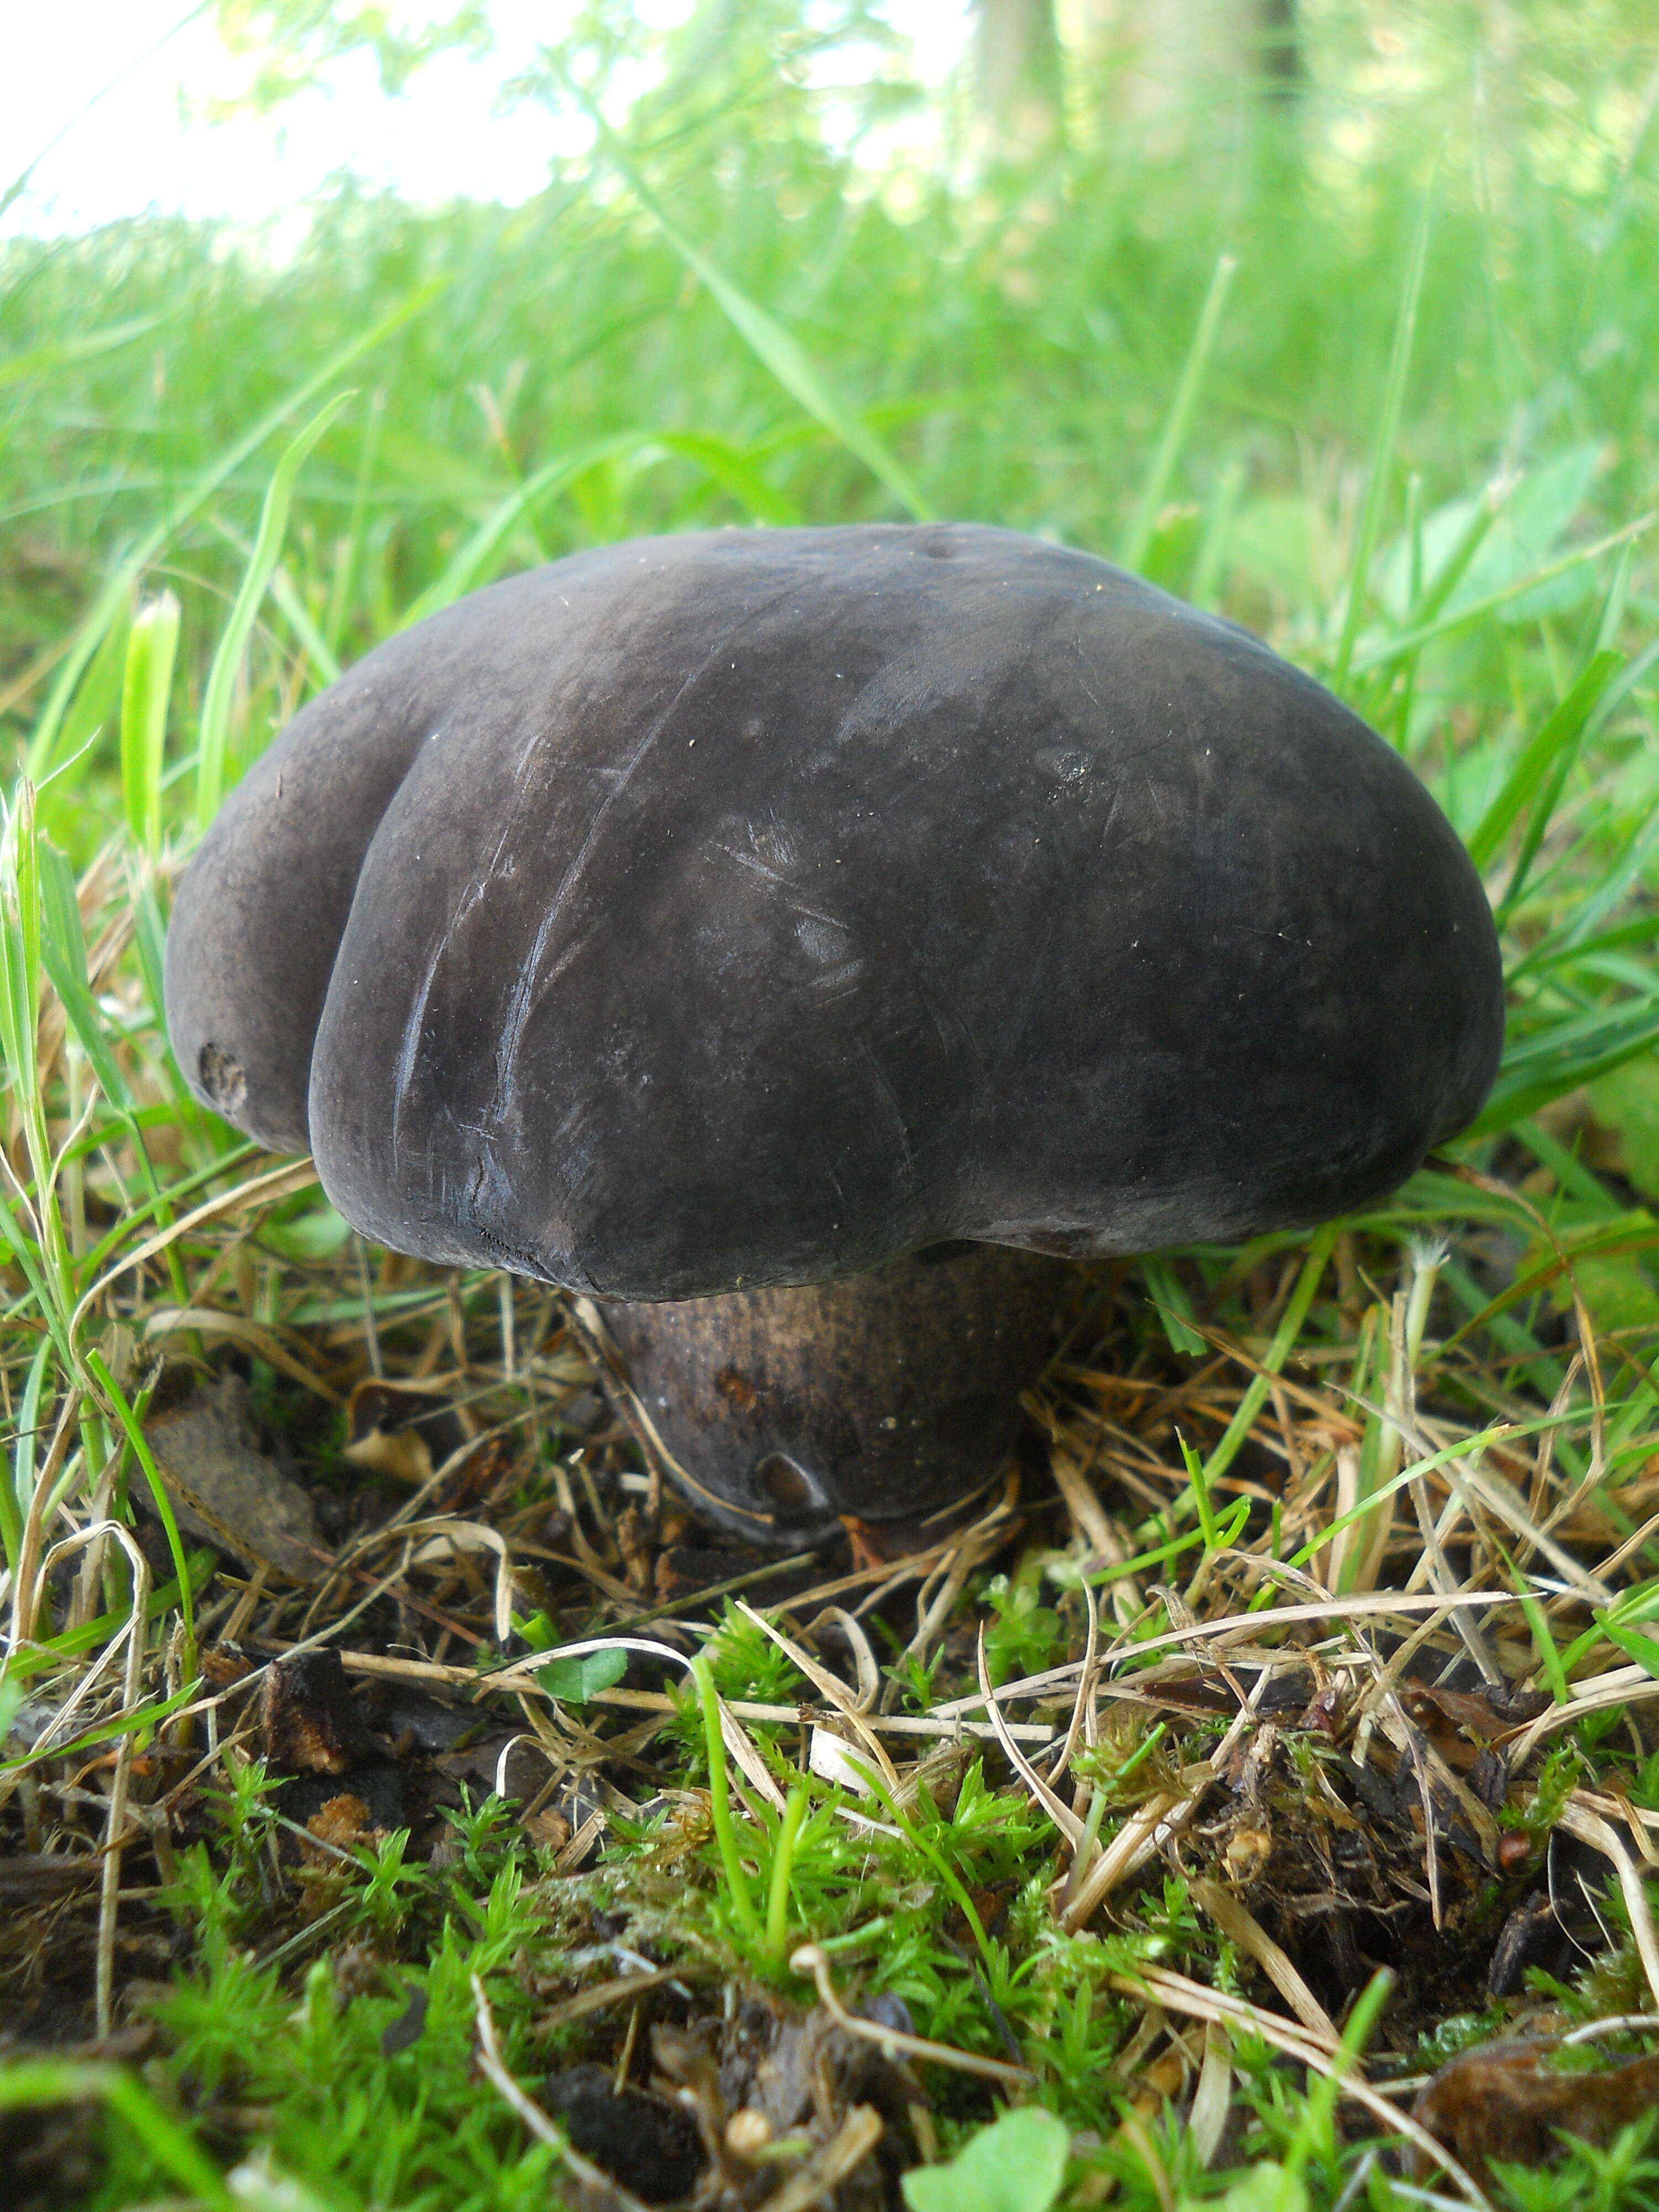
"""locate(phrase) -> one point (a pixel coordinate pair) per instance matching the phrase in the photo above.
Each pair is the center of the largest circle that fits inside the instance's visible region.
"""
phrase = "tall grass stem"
(742, 1904)
(783, 1861)
(151, 645)
(1383, 450)
(1166, 458)
(215, 740)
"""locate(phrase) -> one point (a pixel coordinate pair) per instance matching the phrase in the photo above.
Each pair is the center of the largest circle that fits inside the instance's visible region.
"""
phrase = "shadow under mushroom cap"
(724, 910)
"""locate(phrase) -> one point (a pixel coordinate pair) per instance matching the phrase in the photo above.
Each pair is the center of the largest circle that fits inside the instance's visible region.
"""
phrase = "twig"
(614, 1992)
(694, 1599)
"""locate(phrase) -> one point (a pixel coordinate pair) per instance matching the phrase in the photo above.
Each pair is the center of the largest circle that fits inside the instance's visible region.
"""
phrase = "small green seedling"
(573, 1682)
(1016, 2165)
(1267, 2187)
(1026, 1633)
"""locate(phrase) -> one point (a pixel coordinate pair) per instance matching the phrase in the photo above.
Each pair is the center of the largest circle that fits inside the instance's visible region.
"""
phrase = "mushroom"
(802, 941)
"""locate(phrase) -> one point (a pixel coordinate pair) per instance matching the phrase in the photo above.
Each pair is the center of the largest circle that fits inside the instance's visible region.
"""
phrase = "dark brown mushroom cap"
(716, 911)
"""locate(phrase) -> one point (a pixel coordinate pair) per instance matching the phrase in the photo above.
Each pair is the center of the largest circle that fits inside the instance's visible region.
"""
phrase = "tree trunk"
(1279, 49)
(1180, 65)
(1017, 79)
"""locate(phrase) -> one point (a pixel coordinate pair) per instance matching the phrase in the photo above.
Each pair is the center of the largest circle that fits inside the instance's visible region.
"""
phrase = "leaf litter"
(1237, 1768)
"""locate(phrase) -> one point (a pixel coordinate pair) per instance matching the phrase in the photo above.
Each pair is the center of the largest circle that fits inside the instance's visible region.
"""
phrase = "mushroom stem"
(893, 1394)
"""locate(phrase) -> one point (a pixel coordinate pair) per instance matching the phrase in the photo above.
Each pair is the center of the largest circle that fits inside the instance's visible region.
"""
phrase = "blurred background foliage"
(1000, 274)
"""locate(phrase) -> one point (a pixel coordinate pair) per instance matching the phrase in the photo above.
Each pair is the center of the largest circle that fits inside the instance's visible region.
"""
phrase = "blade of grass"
(1173, 1307)
(151, 646)
(1315, 2132)
(303, 625)
(1408, 642)
(735, 471)
(293, 610)
(44, 744)
(1537, 822)
(64, 955)
(1452, 570)
(98, 694)
(1195, 1475)
(468, 564)
(349, 553)
(766, 338)
(1611, 940)
(1567, 1053)
(30, 1218)
(1506, 1432)
(1177, 422)
(1544, 763)
(1319, 1249)
(1544, 1643)
(17, 1485)
(40, 360)
(215, 738)
(141, 1451)
(1609, 1243)
(47, 1652)
(720, 1809)
(1387, 432)
(1227, 1530)
(1634, 671)
(1617, 600)
(1616, 884)
(133, 1721)
(1209, 570)
(51, 2082)
(783, 1860)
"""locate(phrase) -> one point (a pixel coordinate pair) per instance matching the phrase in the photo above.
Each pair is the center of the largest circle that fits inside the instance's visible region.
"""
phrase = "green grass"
(1376, 381)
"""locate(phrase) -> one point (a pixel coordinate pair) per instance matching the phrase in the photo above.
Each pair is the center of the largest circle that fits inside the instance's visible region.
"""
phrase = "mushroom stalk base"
(890, 1396)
